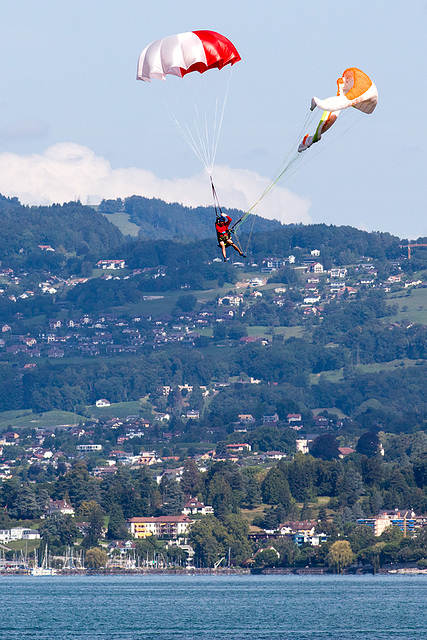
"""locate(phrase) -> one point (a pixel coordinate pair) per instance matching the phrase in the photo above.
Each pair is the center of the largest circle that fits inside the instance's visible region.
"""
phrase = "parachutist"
(223, 233)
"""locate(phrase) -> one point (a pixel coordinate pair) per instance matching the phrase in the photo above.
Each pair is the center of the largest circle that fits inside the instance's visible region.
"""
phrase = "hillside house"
(192, 414)
(102, 402)
(60, 506)
(315, 267)
(104, 472)
(238, 448)
(148, 458)
(306, 527)
(339, 272)
(270, 420)
(88, 448)
(111, 264)
(345, 451)
(194, 506)
(293, 417)
(301, 445)
(233, 301)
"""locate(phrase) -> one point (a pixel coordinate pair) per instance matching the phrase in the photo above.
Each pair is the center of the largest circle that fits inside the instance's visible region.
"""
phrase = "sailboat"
(44, 569)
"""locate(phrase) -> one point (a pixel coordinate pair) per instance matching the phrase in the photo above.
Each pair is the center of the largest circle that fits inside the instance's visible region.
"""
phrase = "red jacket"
(221, 226)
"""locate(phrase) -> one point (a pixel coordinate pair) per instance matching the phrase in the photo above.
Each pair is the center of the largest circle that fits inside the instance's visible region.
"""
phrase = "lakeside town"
(112, 333)
(213, 470)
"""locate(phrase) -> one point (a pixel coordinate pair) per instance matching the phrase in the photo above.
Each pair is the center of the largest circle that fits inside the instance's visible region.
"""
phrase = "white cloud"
(67, 171)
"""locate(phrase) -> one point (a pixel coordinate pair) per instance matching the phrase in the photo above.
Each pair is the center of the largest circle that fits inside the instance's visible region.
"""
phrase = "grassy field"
(119, 410)
(330, 376)
(26, 546)
(249, 515)
(333, 410)
(121, 220)
(50, 419)
(412, 305)
(376, 367)
(286, 332)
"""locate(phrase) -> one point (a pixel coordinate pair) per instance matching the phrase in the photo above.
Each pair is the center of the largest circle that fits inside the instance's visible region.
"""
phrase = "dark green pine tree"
(117, 529)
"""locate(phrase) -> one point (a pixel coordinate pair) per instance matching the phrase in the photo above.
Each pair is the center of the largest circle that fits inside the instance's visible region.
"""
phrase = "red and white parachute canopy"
(186, 52)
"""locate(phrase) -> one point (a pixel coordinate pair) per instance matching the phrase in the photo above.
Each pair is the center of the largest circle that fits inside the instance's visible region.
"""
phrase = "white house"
(111, 264)
(301, 445)
(233, 301)
(18, 533)
(60, 506)
(89, 447)
(339, 272)
(194, 506)
(315, 267)
(102, 402)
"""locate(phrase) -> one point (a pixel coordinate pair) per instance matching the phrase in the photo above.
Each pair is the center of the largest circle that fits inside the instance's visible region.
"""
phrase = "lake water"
(246, 607)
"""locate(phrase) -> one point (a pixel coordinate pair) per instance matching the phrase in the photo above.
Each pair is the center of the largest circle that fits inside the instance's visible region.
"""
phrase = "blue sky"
(75, 123)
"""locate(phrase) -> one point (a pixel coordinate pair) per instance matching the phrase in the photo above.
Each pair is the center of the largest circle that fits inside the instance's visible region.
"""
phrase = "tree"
(59, 530)
(340, 556)
(372, 555)
(117, 529)
(301, 476)
(96, 558)
(275, 488)
(210, 541)
(191, 480)
(238, 529)
(420, 472)
(92, 512)
(186, 303)
(325, 447)
(371, 471)
(172, 497)
(267, 557)
(25, 504)
(361, 537)
(78, 485)
(368, 444)
(305, 511)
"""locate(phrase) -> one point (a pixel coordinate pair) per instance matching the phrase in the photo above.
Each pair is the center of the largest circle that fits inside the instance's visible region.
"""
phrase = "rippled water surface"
(213, 608)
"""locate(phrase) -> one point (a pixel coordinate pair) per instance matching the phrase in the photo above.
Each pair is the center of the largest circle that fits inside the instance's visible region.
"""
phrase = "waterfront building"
(173, 526)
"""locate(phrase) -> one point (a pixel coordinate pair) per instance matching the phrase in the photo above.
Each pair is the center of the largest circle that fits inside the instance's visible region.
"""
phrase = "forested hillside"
(69, 229)
(172, 315)
(160, 220)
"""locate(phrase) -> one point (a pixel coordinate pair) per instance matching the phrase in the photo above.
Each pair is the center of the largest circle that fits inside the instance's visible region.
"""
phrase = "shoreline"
(312, 571)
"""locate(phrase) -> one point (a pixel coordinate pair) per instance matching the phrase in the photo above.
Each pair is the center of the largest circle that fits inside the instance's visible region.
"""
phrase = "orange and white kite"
(355, 89)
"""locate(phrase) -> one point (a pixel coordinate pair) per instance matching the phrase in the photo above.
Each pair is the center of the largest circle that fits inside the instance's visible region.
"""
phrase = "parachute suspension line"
(200, 133)
(201, 130)
(218, 210)
(308, 157)
(183, 130)
(248, 238)
(218, 121)
(291, 159)
(208, 115)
